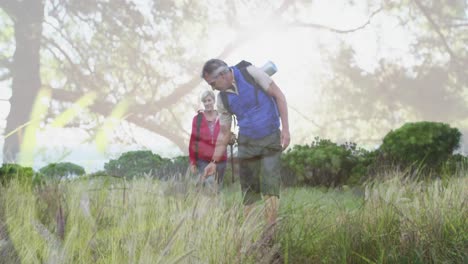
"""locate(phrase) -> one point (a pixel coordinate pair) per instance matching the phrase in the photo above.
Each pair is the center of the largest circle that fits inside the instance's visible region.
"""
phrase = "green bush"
(321, 163)
(455, 165)
(423, 144)
(135, 163)
(364, 162)
(10, 171)
(62, 169)
(100, 173)
(174, 168)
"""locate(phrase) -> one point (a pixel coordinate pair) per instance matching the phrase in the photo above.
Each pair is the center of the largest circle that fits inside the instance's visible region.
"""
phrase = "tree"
(24, 69)
(135, 163)
(62, 169)
(109, 51)
(428, 83)
(119, 60)
(9, 172)
(323, 162)
(423, 144)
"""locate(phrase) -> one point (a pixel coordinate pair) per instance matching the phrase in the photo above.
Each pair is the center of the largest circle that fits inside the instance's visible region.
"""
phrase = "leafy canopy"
(135, 163)
(423, 143)
(62, 169)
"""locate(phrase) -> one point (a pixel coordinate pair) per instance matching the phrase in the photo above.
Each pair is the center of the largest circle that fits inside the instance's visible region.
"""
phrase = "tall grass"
(396, 221)
(138, 221)
(149, 221)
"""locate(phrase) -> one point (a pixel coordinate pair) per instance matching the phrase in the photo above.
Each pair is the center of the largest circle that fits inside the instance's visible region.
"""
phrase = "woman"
(205, 130)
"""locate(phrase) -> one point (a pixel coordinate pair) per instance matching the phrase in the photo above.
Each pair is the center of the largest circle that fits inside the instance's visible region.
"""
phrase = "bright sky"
(5, 94)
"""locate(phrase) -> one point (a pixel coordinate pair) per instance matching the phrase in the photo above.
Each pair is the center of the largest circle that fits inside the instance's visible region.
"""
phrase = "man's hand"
(210, 169)
(232, 139)
(285, 139)
(193, 169)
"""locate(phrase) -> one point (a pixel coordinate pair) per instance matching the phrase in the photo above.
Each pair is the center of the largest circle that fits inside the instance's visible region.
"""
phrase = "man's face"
(218, 80)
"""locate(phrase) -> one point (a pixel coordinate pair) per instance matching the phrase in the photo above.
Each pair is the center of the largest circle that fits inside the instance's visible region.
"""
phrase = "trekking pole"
(232, 163)
(217, 184)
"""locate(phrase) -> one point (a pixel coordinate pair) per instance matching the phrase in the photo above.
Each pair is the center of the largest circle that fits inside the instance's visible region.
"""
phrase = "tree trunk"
(28, 16)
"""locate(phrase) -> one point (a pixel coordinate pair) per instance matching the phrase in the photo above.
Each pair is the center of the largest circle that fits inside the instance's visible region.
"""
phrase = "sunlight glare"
(82, 103)
(103, 135)
(41, 105)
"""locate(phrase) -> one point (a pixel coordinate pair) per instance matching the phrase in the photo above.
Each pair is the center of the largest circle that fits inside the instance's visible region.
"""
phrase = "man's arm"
(270, 87)
(222, 141)
(220, 148)
(275, 92)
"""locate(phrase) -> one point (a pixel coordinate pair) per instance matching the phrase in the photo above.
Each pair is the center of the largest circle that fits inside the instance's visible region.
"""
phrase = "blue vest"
(255, 119)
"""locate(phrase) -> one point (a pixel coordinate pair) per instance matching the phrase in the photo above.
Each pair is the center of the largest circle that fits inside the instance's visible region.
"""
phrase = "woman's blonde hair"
(207, 93)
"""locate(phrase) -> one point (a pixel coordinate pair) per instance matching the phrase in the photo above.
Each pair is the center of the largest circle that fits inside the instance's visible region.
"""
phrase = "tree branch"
(69, 42)
(10, 7)
(6, 76)
(183, 89)
(436, 28)
(335, 30)
(304, 116)
(105, 108)
(55, 45)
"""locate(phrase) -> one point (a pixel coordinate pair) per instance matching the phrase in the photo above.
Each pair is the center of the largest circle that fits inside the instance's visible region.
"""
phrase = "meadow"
(144, 220)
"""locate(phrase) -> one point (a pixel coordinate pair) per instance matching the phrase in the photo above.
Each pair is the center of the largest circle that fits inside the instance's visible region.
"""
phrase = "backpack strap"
(251, 80)
(199, 120)
(224, 99)
(242, 66)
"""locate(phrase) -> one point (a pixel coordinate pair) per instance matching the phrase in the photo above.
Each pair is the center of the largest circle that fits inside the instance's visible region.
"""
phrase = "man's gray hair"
(215, 66)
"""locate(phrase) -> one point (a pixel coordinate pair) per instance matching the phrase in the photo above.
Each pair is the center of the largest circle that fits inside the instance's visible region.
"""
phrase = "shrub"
(364, 163)
(321, 163)
(10, 171)
(424, 144)
(62, 169)
(100, 173)
(135, 163)
(173, 168)
(455, 165)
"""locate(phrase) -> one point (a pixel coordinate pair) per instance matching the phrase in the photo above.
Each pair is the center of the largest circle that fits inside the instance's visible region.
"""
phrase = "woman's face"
(208, 103)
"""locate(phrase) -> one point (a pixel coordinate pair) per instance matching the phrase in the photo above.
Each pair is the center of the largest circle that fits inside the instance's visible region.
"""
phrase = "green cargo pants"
(259, 166)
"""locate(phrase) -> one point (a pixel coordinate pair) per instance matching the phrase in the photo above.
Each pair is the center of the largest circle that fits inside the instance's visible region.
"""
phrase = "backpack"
(242, 66)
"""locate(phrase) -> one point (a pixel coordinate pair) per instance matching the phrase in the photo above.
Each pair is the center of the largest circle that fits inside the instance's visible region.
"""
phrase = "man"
(260, 139)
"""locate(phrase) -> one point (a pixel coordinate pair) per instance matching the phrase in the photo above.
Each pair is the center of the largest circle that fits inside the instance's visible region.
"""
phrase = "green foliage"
(393, 221)
(321, 163)
(101, 173)
(181, 160)
(424, 144)
(174, 168)
(10, 171)
(398, 221)
(364, 161)
(136, 163)
(368, 101)
(62, 169)
(455, 166)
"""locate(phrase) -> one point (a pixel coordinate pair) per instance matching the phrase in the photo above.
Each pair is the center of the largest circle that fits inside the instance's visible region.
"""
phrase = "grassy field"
(108, 220)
